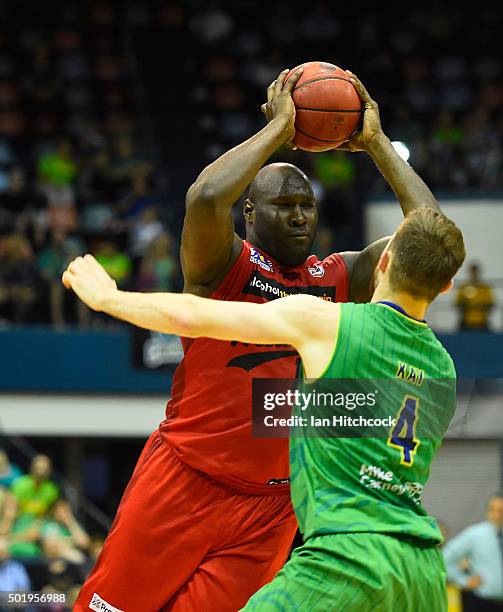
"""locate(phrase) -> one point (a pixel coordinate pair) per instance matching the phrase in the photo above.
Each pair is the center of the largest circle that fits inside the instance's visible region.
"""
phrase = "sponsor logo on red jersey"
(317, 271)
(270, 289)
(100, 605)
(259, 259)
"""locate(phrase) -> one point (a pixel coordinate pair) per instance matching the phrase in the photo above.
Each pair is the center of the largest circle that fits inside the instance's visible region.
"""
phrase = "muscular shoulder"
(205, 289)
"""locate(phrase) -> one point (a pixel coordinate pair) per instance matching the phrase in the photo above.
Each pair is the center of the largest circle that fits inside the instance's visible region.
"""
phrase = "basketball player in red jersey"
(206, 519)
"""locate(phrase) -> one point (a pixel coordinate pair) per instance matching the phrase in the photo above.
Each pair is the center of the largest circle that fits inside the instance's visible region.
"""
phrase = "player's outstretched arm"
(302, 321)
(209, 245)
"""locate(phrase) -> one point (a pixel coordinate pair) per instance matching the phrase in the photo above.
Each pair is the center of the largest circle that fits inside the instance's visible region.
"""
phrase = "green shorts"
(359, 572)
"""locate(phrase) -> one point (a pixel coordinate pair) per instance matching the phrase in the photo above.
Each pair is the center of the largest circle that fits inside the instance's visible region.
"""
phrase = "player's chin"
(298, 249)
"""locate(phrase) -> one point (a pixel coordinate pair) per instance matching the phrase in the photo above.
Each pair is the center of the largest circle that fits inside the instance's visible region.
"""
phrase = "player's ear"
(383, 261)
(249, 210)
(447, 288)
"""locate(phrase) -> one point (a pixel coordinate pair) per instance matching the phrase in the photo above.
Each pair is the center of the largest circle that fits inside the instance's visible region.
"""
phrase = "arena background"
(108, 112)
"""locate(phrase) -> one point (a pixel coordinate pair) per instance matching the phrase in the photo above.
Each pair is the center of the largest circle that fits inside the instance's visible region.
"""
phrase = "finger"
(266, 109)
(73, 266)
(96, 268)
(279, 82)
(92, 262)
(76, 265)
(78, 262)
(362, 92)
(270, 91)
(290, 146)
(290, 84)
(66, 280)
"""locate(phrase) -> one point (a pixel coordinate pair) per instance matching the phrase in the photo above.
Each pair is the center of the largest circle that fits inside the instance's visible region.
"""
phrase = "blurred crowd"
(74, 177)
(440, 91)
(43, 228)
(43, 546)
(108, 112)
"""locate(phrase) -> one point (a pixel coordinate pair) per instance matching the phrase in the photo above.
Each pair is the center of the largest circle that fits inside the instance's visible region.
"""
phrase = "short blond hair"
(428, 249)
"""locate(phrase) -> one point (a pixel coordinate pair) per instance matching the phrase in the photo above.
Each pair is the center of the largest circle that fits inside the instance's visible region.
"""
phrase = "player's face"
(284, 225)
(495, 511)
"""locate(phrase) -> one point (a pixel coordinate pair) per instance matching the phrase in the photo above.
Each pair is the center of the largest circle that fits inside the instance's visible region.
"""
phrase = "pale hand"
(371, 128)
(89, 281)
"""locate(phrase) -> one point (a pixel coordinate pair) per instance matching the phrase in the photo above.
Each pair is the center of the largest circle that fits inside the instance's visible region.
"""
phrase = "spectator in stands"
(124, 164)
(36, 492)
(63, 533)
(58, 168)
(144, 231)
(96, 182)
(158, 268)
(137, 198)
(115, 262)
(474, 300)
(482, 546)
(18, 276)
(8, 511)
(8, 471)
(57, 173)
(60, 574)
(51, 263)
(24, 537)
(13, 575)
(18, 203)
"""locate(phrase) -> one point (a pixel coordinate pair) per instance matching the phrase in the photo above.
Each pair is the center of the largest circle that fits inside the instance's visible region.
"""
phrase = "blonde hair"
(428, 249)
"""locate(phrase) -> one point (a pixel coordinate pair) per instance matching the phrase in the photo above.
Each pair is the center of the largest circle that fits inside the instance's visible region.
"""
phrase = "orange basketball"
(328, 107)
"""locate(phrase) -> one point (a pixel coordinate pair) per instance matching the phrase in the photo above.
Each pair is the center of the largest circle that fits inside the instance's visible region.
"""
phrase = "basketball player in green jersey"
(369, 544)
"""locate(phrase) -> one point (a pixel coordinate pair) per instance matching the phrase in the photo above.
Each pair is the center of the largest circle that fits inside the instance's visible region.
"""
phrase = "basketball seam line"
(330, 110)
(327, 78)
(314, 137)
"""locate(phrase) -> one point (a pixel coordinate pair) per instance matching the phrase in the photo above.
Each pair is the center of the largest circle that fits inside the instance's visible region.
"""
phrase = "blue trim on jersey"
(400, 310)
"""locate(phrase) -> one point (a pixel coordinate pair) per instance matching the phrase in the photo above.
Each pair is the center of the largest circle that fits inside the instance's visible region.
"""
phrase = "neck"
(413, 307)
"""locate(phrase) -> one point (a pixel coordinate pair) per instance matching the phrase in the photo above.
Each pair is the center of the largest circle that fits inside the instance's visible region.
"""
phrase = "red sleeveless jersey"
(208, 420)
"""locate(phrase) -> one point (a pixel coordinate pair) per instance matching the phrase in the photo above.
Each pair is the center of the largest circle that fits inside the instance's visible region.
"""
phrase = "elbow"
(201, 193)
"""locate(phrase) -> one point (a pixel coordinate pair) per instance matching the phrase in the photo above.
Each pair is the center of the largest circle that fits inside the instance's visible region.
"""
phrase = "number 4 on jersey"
(402, 436)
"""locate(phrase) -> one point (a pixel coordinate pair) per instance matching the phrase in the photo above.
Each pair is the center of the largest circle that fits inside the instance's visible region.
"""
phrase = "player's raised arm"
(302, 321)
(209, 245)
(410, 190)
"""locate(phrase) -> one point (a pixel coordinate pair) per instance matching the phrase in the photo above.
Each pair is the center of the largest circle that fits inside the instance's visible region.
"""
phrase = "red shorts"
(182, 541)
